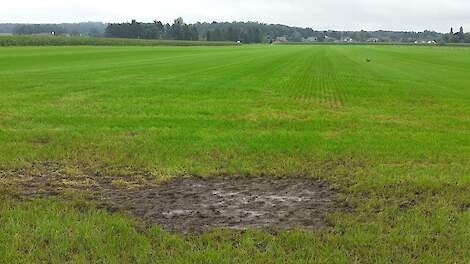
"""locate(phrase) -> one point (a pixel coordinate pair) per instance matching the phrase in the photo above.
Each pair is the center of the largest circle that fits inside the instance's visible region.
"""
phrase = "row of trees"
(246, 32)
(457, 37)
(156, 30)
(245, 35)
(86, 29)
(179, 30)
(253, 32)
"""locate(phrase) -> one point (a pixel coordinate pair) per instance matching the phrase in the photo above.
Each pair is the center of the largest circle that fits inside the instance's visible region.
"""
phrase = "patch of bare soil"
(199, 204)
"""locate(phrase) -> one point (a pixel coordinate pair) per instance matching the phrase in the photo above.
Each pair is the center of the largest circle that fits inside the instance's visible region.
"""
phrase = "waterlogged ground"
(365, 147)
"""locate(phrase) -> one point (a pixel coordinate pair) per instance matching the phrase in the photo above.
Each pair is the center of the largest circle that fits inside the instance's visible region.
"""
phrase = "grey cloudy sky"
(437, 15)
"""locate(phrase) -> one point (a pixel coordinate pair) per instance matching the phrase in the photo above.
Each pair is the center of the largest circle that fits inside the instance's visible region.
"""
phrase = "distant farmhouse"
(373, 40)
(429, 42)
(44, 34)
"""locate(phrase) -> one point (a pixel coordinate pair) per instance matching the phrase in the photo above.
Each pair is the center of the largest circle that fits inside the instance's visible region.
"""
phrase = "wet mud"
(196, 204)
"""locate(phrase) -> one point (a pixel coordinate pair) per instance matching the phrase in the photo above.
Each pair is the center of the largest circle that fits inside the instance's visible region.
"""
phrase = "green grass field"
(392, 134)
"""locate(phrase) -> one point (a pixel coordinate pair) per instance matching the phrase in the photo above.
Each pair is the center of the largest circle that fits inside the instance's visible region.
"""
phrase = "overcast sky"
(416, 15)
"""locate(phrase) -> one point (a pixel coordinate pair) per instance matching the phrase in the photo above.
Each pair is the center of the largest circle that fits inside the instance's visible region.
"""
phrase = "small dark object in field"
(368, 60)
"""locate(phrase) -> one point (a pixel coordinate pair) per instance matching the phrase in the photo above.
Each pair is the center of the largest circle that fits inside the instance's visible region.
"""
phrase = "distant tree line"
(253, 32)
(457, 37)
(7, 28)
(246, 32)
(179, 30)
(39, 29)
(85, 29)
(156, 30)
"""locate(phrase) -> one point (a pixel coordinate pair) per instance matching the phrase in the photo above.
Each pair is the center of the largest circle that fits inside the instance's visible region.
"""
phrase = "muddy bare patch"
(196, 204)
(199, 204)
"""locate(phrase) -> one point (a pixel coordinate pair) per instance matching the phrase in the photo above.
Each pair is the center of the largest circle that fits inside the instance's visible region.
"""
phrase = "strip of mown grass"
(80, 41)
(388, 125)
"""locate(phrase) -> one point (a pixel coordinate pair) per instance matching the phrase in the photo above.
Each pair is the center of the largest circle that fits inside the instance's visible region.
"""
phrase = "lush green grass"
(393, 134)
(80, 41)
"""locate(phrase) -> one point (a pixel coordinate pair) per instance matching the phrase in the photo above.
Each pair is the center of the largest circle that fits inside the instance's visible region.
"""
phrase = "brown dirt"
(196, 204)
